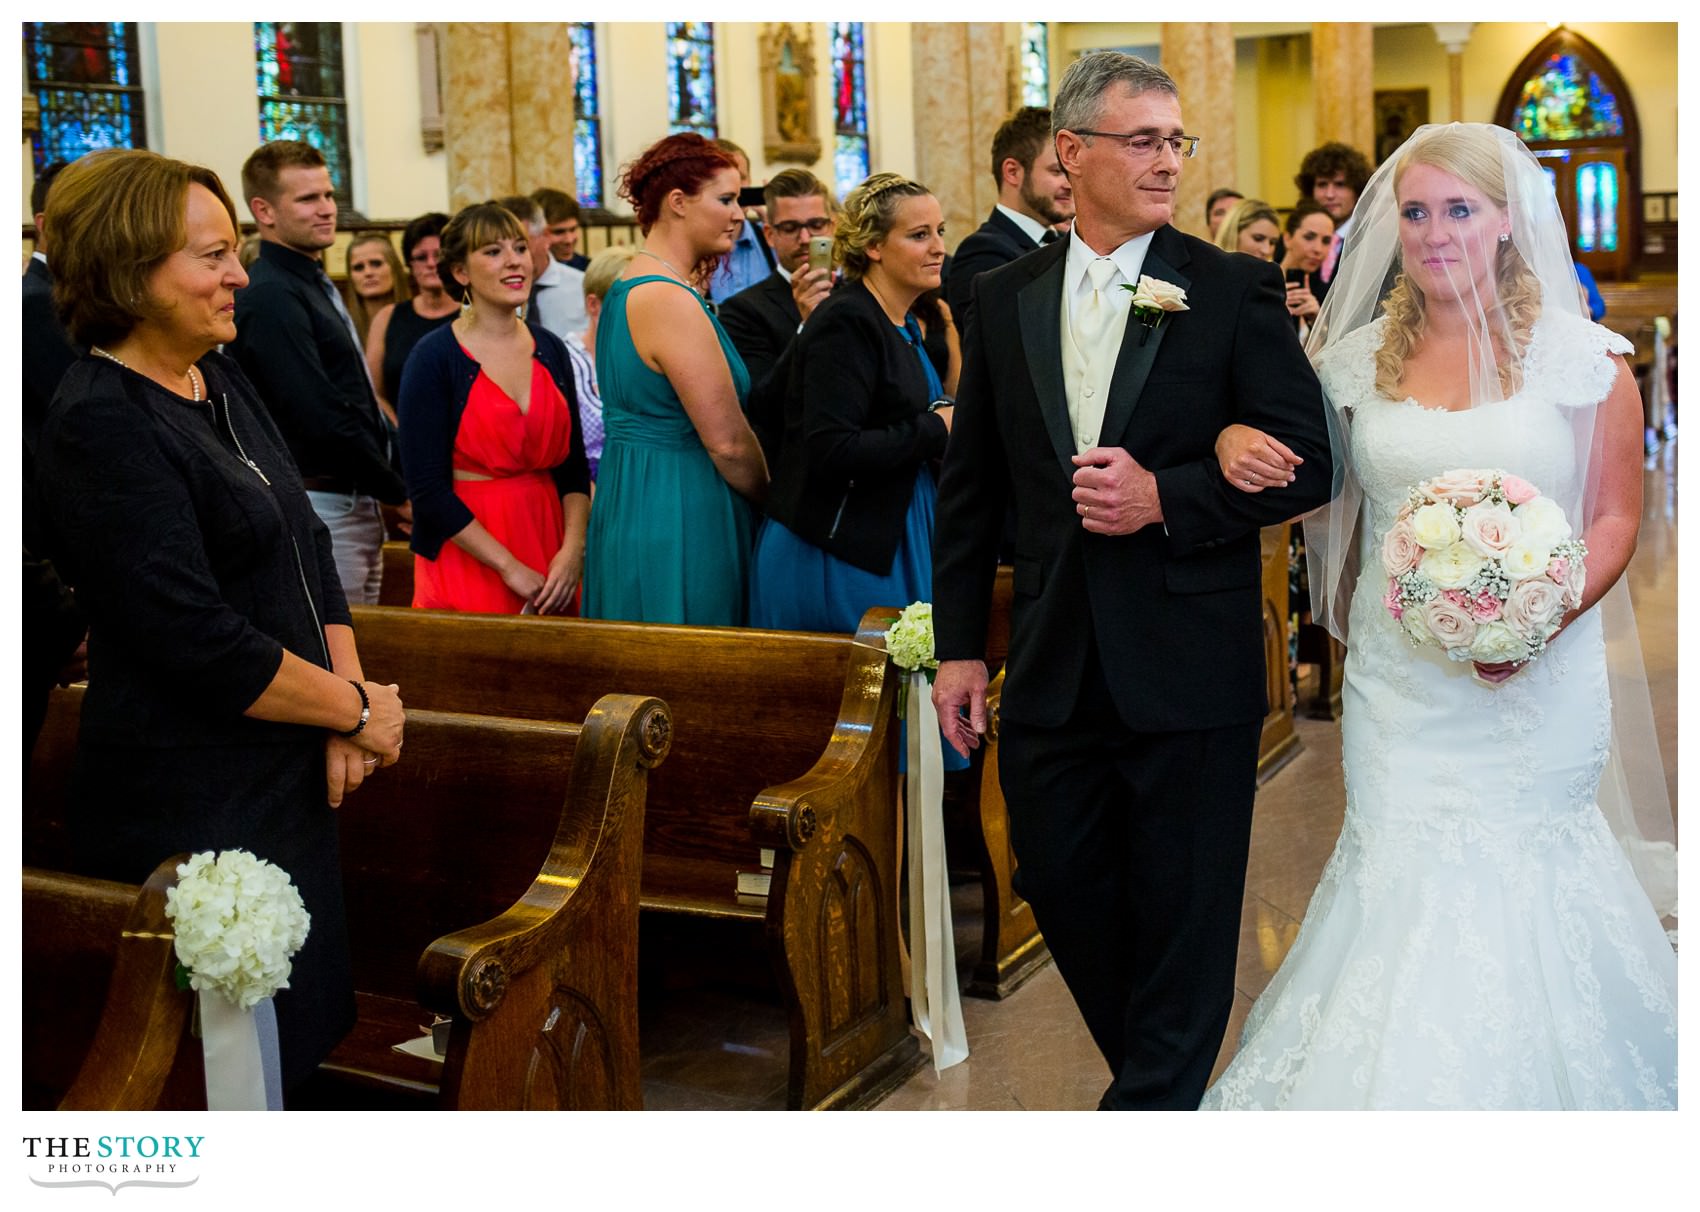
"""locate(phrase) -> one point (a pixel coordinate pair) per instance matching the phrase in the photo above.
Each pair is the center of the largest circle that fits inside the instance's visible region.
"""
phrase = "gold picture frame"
(788, 93)
(1398, 113)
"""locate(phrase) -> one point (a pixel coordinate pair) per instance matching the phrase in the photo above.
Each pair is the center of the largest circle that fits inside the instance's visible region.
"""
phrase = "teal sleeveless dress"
(669, 540)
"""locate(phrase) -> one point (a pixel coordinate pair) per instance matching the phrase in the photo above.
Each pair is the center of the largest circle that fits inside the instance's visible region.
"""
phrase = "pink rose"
(1575, 581)
(1558, 570)
(1391, 601)
(1517, 490)
(1400, 551)
(1450, 624)
(1490, 529)
(1462, 487)
(1485, 608)
(1533, 608)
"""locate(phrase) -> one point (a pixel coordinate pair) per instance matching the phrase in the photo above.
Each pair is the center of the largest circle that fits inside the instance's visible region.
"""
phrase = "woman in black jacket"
(226, 705)
(850, 509)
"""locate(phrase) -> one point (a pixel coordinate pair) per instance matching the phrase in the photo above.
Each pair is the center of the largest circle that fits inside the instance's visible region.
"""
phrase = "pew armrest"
(467, 973)
(789, 816)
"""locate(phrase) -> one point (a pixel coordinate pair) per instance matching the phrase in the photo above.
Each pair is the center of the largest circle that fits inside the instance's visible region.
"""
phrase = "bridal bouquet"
(239, 921)
(1481, 565)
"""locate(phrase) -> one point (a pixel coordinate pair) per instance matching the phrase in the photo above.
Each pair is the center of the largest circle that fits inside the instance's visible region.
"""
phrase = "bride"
(1479, 937)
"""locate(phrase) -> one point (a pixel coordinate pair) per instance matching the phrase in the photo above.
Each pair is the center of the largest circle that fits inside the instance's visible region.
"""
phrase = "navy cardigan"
(435, 384)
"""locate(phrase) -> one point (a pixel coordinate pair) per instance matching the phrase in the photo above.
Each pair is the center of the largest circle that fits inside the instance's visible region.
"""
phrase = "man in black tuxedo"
(763, 320)
(54, 629)
(1033, 196)
(47, 351)
(1134, 691)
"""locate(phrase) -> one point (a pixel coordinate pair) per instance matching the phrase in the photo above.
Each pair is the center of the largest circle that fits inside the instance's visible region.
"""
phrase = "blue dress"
(797, 586)
(669, 539)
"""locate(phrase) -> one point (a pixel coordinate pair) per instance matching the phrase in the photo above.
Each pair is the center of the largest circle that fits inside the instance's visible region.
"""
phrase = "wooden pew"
(782, 741)
(105, 1027)
(491, 877)
(397, 587)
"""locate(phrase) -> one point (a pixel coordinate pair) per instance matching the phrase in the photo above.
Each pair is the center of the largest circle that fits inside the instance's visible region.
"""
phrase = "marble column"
(1342, 56)
(961, 97)
(540, 91)
(1454, 36)
(477, 122)
(1200, 56)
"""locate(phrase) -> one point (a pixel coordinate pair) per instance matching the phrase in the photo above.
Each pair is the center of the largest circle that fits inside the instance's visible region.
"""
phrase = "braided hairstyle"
(684, 161)
(869, 212)
(1474, 158)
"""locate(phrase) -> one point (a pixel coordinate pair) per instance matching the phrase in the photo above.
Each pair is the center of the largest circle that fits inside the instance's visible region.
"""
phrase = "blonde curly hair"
(867, 217)
(1473, 157)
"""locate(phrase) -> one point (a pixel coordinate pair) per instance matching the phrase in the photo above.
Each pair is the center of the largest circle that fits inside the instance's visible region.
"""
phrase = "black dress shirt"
(296, 349)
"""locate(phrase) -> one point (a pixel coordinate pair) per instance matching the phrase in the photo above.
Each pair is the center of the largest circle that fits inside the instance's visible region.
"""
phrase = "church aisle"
(723, 1048)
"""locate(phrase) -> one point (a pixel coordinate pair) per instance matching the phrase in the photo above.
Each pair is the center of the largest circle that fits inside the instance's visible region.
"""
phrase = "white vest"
(1086, 373)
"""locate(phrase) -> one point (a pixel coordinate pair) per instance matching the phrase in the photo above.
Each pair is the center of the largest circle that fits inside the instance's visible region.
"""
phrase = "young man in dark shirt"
(298, 346)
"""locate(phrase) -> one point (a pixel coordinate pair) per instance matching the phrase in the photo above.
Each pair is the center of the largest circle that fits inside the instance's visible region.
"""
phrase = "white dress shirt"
(560, 300)
(1030, 227)
(1087, 372)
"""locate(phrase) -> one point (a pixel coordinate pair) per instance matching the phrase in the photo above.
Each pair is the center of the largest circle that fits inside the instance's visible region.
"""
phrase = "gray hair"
(1080, 94)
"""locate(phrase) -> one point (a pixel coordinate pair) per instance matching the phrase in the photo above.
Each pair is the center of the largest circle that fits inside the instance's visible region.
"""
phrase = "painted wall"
(200, 95)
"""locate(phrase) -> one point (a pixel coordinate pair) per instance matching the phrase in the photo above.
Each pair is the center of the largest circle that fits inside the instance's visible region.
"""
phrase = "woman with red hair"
(681, 471)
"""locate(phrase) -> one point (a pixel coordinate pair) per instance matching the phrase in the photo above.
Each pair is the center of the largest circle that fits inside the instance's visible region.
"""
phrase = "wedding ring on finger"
(369, 762)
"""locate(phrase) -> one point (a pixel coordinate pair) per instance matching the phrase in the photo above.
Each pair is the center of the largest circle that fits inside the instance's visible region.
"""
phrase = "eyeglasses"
(792, 226)
(1144, 146)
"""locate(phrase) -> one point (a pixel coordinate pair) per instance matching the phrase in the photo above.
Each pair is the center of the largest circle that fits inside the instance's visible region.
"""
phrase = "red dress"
(519, 504)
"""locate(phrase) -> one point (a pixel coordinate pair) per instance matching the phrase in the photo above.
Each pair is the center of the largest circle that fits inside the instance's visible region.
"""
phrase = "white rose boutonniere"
(1151, 298)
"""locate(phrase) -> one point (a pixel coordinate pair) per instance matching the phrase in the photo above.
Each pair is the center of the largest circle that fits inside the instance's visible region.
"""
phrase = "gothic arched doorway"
(1568, 103)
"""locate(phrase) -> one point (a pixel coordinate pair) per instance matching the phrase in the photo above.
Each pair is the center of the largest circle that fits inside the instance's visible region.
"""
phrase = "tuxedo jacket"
(761, 322)
(997, 241)
(1174, 610)
(47, 350)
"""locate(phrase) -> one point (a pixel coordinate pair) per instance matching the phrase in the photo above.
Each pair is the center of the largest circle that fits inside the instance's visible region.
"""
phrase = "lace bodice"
(1395, 444)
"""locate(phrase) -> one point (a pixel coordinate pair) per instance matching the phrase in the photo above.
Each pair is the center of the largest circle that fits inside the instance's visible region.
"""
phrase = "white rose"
(1533, 608)
(1543, 522)
(1526, 558)
(1452, 567)
(1490, 529)
(1435, 526)
(1463, 487)
(1155, 292)
(1449, 623)
(1495, 642)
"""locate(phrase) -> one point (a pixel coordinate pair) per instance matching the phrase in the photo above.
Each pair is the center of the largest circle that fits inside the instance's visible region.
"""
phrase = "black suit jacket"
(761, 322)
(997, 241)
(1174, 609)
(47, 352)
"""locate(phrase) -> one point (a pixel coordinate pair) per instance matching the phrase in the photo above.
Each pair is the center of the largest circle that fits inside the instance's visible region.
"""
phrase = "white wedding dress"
(1477, 939)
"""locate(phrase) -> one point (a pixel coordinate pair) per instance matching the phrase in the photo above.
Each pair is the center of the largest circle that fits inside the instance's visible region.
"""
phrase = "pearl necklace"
(194, 375)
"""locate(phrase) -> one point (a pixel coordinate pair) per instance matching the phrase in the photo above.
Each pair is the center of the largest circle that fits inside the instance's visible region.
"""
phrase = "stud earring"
(1504, 237)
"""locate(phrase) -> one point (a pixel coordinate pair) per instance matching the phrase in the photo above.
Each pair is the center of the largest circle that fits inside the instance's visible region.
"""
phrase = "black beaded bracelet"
(365, 709)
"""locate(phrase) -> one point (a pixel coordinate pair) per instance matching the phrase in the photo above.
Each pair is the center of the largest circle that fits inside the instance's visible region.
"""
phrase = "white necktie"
(1096, 315)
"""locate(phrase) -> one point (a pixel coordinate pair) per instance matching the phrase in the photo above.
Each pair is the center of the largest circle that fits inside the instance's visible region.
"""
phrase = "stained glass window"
(1566, 100)
(849, 105)
(298, 69)
(690, 78)
(587, 114)
(1596, 207)
(1035, 64)
(86, 79)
